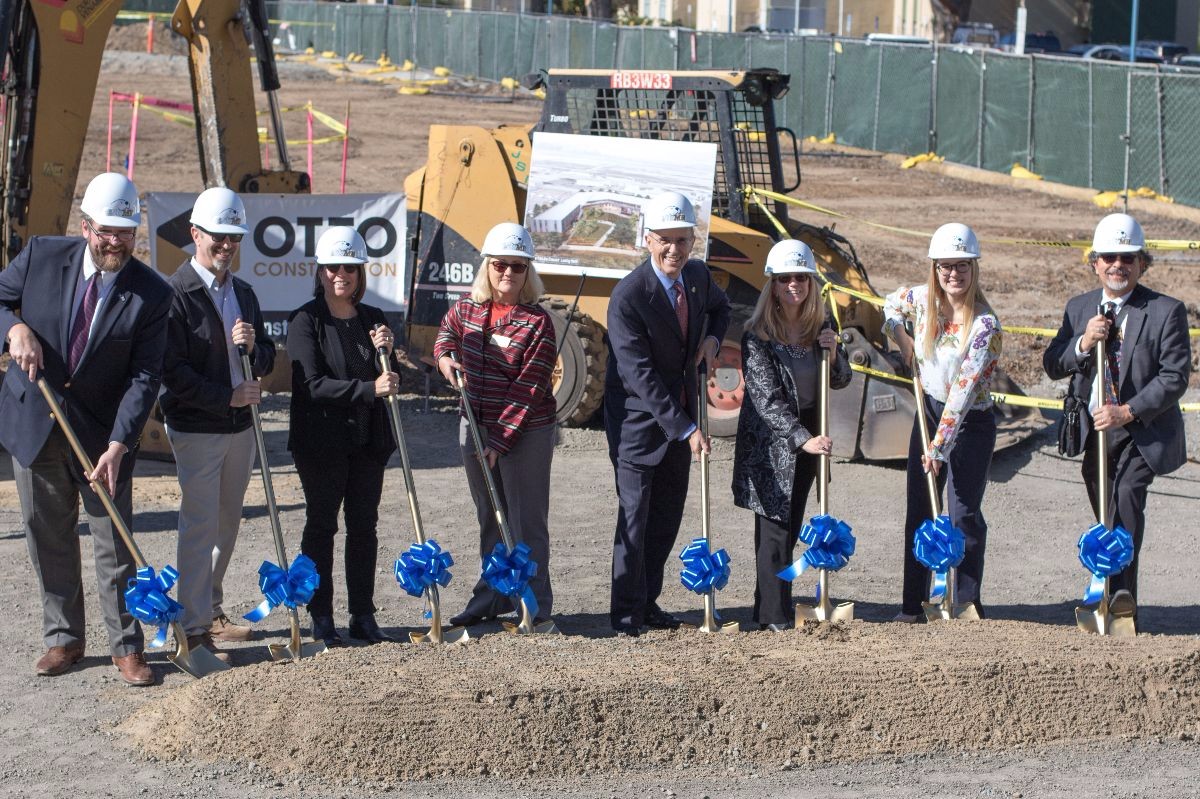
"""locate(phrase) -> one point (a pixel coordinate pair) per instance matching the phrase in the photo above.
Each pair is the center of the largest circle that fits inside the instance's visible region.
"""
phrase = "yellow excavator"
(474, 178)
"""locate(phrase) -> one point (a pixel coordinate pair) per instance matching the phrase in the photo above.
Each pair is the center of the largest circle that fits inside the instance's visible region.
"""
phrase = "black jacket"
(771, 430)
(196, 380)
(323, 395)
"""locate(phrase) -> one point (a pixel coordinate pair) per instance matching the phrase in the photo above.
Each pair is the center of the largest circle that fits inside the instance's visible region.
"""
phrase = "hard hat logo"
(1123, 237)
(344, 249)
(514, 243)
(120, 207)
(796, 260)
(673, 213)
(230, 216)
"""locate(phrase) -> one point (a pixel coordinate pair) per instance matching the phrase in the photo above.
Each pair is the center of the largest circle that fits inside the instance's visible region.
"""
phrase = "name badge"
(501, 341)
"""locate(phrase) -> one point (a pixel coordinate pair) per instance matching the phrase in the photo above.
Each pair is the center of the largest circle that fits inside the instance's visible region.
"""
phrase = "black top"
(356, 346)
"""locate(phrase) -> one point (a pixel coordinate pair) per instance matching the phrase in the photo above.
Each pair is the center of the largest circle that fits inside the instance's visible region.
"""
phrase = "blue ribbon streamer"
(830, 546)
(703, 571)
(146, 599)
(290, 588)
(939, 546)
(1103, 552)
(422, 566)
(509, 573)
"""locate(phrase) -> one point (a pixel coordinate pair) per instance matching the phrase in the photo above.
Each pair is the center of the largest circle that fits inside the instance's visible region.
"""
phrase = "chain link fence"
(1086, 123)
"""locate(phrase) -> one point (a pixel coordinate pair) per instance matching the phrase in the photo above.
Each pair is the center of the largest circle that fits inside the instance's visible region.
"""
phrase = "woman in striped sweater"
(503, 343)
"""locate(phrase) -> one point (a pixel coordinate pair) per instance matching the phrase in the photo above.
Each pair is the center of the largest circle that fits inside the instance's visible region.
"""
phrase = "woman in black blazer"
(339, 434)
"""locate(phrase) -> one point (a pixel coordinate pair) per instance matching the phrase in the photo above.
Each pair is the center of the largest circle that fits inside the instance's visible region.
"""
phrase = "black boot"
(323, 630)
(364, 628)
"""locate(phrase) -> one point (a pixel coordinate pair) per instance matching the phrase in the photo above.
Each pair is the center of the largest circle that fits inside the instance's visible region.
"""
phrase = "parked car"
(1034, 42)
(1190, 61)
(1170, 52)
(982, 34)
(1113, 52)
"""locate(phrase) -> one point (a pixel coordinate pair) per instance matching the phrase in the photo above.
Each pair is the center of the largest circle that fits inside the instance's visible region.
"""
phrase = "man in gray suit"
(1149, 360)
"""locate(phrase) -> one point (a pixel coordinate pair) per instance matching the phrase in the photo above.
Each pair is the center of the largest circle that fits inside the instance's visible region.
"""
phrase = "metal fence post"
(933, 92)
(1029, 142)
(1128, 137)
(1162, 159)
(982, 103)
(878, 92)
(1091, 126)
(830, 77)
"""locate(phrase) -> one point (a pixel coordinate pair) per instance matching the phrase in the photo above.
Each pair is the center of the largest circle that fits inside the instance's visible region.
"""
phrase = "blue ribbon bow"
(830, 546)
(509, 573)
(1104, 552)
(703, 571)
(422, 566)
(939, 546)
(291, 588)
(146, 599)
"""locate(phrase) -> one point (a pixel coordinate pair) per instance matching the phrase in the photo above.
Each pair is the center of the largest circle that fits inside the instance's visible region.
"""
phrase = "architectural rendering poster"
(584, 205)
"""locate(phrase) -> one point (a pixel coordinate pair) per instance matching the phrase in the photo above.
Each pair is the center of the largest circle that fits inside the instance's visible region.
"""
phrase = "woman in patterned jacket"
(955, 343)
(503, 343)
(776, 457)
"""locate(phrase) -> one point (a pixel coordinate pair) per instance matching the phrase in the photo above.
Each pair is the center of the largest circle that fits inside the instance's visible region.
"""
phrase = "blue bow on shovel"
(1103, 552)
(146, 599)
(703, 571)
(939, 546)
(422, 566)
(509, 573)
(290, 588)
(830, 545)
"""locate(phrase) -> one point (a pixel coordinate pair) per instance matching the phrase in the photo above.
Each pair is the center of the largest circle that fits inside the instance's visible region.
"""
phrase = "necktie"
(681, 308)
(83, 322)
(1113, 356)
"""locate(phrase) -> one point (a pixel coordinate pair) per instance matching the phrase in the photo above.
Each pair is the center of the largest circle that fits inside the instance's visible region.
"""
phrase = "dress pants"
(964, 478)
(651, 501)
(1130, 478)
(523, 480)
(50, 491)
(214, 470)
(774, 549)
(332, 478)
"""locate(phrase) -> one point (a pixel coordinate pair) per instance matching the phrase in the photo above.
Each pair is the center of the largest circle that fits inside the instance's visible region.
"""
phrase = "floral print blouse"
(961, 381)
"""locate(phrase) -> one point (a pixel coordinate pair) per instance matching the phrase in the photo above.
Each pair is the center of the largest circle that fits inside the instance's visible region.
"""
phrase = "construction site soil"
(1023, 704)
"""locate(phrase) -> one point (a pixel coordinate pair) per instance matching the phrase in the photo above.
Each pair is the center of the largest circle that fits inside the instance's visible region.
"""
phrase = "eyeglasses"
(124, 234)
(220, 238)
(784, 280)
(962, 267)
(683, 242)
(517, 267)
(333, 269)
(1126, 258)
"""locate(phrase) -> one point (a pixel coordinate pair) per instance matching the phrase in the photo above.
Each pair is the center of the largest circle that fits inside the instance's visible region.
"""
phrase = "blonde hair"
(481, 289)
(939, 302)
(769, 324)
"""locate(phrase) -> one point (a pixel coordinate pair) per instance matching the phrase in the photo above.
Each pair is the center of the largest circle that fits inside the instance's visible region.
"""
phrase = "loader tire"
(726, 389)
(578, 377)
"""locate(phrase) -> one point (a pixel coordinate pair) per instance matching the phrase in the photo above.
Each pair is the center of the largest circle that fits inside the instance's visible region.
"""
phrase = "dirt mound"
(557, 706)
(132, 37)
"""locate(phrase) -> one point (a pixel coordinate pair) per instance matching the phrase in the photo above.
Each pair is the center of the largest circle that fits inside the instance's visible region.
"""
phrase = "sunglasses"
(221, 238)
(333, 269)
(783, 280)
(1126, 258)
(962, 267)
(125, 234)
(516, 267)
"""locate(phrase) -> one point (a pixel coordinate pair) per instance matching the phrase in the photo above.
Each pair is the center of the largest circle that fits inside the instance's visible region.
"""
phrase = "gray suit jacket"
(1156, 360)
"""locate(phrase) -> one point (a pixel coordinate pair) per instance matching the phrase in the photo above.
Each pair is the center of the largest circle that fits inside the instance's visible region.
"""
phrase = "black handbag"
(1070, 430)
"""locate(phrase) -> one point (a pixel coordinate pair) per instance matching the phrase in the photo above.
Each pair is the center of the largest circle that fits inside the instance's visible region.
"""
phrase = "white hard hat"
(508, 238)
(219, 210)
(669, 211)
(111, 200)
(1118, 233)
(790, 257)
(341, 245)
(953, 240)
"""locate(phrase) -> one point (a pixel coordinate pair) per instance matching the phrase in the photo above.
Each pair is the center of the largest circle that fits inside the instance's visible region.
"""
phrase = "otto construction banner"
(277, 257)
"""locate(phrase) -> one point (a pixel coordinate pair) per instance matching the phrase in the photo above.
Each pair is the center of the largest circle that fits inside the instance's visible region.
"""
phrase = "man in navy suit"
(663, 318)
(1149, 363)
(92, 320)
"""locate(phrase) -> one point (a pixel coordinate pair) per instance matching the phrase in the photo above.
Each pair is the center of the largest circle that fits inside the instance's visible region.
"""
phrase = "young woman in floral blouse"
(955, 343)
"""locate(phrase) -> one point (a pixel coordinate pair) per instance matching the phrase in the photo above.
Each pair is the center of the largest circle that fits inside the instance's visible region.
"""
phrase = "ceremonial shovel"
(1100, 620)
(947, 608)
(294, 649)
(710, 624)
(824, 610)
(197, 662)
(526, 625)
(435, 635)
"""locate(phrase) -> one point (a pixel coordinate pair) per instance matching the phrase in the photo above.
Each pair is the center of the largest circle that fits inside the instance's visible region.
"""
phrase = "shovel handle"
(410, 485)
(493, 494)
(823, 426)
(935, 504)
(1102, 435)
(702, 424)
(264, 467)
(88, 467)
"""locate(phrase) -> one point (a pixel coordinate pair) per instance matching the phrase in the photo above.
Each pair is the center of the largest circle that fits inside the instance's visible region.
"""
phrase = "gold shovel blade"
(545, 628)
(198, 662)
(454, 635)
(843, 612)
(944, 611)
(295, 648)
(1098, 621)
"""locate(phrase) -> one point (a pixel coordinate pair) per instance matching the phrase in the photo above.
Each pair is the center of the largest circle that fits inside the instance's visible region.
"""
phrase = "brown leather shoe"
(225, 630)
(58, 659)
(205, 641)
(134, 669)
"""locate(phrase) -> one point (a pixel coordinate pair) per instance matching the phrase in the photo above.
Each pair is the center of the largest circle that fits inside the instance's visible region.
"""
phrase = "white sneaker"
(907, 618)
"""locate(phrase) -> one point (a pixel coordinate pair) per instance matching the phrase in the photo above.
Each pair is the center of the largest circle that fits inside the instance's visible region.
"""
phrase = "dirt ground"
(1022, 705)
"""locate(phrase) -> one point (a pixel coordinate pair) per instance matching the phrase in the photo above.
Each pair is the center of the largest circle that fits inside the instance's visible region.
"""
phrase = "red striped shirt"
(508, 366)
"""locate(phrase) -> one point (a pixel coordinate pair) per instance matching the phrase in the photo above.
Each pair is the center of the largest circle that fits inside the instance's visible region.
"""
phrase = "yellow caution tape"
(913, 160)
(1026, 402)
(1188, 407)
(1030, 331)
(1019, 171)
